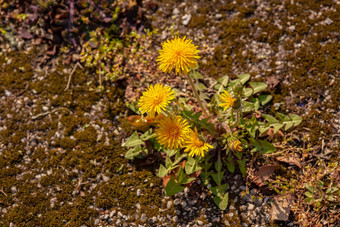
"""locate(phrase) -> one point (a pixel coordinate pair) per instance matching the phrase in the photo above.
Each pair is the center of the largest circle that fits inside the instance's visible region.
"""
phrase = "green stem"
(237, 118)
(167, 113)
(197, 96)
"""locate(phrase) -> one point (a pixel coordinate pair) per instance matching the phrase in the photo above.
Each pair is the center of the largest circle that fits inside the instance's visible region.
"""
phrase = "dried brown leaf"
(263, 174)
(273, 81)
(291, 160)
(281, 208)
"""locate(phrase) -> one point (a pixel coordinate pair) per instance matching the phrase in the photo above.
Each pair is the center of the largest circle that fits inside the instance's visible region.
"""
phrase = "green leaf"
(247, 106)
(244, 78)
(290, 121)
(251, 126)
(222, 201)
(309, 200)
(242, 166)
(148, 135)
(310, 188)
(262, 146)
(134, 152)
(218, 190)
(273, 122)
(330, 198)
(180, 175)
(295, 119)
(258, 86)
(309, 194)
(332, 190)
(191, 166)
(205, 177)
(162, 172)
(133, 140)
(172, 187)
(230, 163)
(203, 96)
(270, 119)
(170, 153)
(196, 75)
(222, 83)
(264, 99)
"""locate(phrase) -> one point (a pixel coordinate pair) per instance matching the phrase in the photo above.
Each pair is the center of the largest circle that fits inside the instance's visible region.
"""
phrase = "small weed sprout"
(202, 144)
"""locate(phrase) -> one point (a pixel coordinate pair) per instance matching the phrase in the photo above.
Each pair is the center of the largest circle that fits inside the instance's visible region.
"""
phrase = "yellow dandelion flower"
(178, 53)
(171, 132)
(226, 100)
(235, 145)
(155, 99)
(194, 145)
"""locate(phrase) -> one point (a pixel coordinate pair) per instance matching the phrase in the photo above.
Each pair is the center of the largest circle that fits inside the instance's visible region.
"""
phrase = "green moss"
(51, 172)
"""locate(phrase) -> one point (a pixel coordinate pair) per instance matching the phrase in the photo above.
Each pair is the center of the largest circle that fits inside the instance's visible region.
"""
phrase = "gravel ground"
(49, 133)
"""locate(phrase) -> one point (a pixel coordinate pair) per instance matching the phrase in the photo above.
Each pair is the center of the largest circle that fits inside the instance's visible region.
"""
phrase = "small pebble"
(251, 206)
(175, 219)
(186, 19)
(8, 93)
(112, 213)
(169, 204)
(138, 206)
(139, 192)
(143, 218)
(177, 201)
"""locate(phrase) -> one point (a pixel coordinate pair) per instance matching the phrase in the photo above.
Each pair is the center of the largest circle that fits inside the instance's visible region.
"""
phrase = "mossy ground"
(63, 169)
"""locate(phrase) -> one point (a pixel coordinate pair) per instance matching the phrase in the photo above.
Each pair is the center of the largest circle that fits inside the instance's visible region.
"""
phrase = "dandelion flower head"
(171, 132)
(155, 99)
(194, 145)
(178, 53)
(226, 100)
(235, 145)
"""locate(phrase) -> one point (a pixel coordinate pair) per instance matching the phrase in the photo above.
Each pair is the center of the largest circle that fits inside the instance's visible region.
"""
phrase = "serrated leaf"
(170, 153)
(222, 201)
(222, 83)
(244, 78)
(230, 163)
(218, 177)
(258, 86)
(290, 121)
(148, 135)
(251, 126)
(203, 96)
(309, 200)
(188, 180)
(262, 146)
(242, 166)
(133, 152)
(181, 176)
(247, 106)
(133, 140)
(191, 166)
(172, 187)
(295, 119)
(264, 99)
(273, 122)
(205, 177)
(162, 172)
(309, 194)
(196, 75)
(270, 119)
(309, 188)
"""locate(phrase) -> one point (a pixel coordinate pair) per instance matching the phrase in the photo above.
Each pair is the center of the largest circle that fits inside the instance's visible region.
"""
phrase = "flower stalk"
(197, 96)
